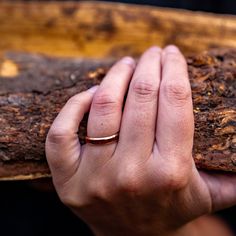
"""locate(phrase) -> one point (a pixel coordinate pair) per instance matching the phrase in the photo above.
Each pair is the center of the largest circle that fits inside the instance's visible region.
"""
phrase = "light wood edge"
(26, 177)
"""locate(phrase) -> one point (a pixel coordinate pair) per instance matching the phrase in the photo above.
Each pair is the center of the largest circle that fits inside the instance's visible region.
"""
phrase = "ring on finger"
(102, 140)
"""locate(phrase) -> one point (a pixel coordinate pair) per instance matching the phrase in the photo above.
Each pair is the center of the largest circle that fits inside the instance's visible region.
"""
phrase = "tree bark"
(33, 89)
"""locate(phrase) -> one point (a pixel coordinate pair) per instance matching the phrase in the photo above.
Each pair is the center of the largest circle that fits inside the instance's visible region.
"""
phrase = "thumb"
(222, 188)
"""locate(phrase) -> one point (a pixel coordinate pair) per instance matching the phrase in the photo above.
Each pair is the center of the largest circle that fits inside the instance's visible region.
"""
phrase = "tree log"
(84, 28)
(33, 89)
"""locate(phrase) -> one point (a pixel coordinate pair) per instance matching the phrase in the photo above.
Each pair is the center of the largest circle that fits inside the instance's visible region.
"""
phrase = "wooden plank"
(30, 100)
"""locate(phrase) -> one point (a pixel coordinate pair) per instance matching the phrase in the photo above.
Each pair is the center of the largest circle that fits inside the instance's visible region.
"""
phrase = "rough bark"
(81, 29)
(33, 88)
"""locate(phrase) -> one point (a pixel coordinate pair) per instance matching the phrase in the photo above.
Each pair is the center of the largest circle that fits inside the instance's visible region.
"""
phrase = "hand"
(147, 182)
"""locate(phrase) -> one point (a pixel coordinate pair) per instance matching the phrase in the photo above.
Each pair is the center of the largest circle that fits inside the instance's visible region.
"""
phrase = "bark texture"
(33, 89)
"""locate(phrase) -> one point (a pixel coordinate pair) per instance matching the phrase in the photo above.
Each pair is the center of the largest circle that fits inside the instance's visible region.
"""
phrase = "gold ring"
(103, 140)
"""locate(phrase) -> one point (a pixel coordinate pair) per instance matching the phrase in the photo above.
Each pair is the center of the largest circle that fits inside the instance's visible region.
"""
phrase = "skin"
(147, 182)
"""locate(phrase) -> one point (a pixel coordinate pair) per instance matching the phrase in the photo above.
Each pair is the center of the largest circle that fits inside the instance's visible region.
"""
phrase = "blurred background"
(33, 208)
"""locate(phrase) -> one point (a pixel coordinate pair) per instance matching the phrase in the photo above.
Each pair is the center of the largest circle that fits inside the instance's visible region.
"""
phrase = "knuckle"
(73, 201)
(105, 104)
(129, 186)
(144, 90)
(171, 178)
(76, 99)
(69, 200)
(65, 193)
(129, 183)
(99, 190)
(57, 135)
(177, 93)
(174, 182)
(94, 192)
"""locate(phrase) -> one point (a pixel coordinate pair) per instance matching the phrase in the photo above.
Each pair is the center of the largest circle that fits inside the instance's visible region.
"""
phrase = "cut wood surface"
(28, 107)
(102, 31)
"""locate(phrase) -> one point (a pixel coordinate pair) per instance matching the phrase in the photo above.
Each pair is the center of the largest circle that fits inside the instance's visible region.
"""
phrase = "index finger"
(62, 144)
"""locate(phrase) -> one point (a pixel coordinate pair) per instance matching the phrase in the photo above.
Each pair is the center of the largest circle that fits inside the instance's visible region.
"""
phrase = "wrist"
(186, 230)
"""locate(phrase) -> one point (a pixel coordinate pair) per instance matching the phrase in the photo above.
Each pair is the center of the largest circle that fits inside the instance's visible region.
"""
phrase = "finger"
(106, 109)
(62, 143)
(221, 188)
(175, 123)
(139, 118)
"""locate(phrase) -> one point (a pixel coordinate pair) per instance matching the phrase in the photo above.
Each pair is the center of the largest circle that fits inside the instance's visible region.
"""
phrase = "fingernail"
(155, 49)
(128, 60)
(171, 48)
(93, 89)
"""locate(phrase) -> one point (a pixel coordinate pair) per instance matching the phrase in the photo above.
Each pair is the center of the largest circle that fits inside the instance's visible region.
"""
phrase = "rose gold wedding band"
(103, 140)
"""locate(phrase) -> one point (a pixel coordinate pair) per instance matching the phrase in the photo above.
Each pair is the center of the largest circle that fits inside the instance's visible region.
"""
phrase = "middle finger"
(137, 133)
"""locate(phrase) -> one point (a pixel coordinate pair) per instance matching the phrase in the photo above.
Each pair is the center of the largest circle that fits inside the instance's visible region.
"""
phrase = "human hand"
(147, 182)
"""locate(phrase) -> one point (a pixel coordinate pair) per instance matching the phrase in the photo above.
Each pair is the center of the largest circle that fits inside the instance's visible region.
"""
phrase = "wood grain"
(102, 30)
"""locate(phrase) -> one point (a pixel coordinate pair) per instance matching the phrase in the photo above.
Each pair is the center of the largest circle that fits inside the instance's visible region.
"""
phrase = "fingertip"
(93, 89)
(128, 61)
(172, 53)
(155, 49)
(152, 54)
(171, 49)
